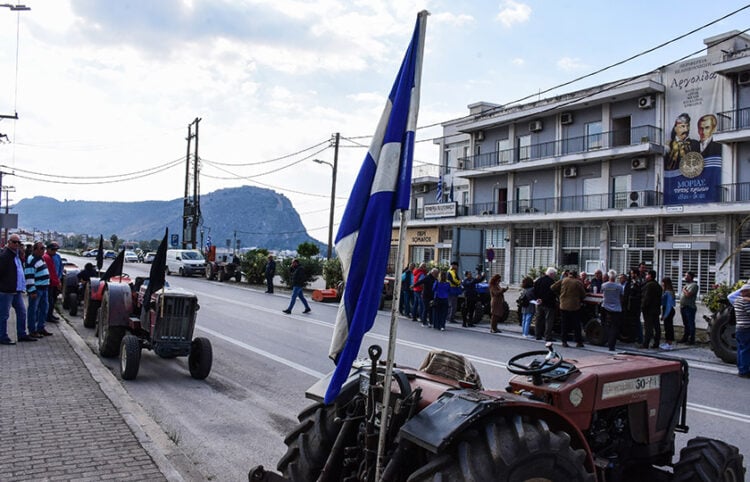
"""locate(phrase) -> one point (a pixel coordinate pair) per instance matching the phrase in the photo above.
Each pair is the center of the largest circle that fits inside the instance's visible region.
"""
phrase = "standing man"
(37, 287)
(612, 297)
(298, 283)
(571, 292)
(12, 287)
(270, 272)
(688, 308)
(651, 308)
(54, 265)
(455, 290)
(740, 299)
(418, 305)
(545, 304)
(469, 284)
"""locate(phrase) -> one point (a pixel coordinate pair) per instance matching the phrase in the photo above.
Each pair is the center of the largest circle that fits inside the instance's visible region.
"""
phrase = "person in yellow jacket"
(454, 280)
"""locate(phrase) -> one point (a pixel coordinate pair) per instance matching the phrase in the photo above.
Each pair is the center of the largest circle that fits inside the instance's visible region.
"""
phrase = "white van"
(185, 262)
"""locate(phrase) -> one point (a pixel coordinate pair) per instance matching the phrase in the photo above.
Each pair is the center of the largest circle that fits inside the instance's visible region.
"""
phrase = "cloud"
(570, 63)
(512, 12)
(456, 20)
(518, 61)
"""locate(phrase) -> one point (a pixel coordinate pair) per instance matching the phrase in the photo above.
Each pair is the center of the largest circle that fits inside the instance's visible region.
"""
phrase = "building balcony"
(581, 205)
(634, 141)
(733, 125)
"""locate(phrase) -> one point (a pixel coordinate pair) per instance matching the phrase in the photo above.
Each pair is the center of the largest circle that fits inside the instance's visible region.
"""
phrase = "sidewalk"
(62, 416)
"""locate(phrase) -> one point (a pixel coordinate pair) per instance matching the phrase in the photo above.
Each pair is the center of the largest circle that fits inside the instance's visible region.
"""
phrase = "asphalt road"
(264, 360)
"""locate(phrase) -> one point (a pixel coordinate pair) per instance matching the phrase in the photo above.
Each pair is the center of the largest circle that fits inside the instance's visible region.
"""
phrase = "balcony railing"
(733, 120)
(730, 193)
(573, 145)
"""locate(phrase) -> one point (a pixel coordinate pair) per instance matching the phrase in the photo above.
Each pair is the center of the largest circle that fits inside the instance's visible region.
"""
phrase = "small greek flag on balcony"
(439, 195)
(383, 186)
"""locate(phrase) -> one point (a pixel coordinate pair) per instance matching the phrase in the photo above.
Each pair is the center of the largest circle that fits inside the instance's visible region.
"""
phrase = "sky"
(105, 90)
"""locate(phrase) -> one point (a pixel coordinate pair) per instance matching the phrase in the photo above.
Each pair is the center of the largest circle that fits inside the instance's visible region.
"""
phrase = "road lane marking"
(264, 353)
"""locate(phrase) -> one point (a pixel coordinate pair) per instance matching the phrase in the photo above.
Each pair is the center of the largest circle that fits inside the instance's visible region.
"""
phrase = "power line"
(113, 176)
(97, 181)
(216, 163)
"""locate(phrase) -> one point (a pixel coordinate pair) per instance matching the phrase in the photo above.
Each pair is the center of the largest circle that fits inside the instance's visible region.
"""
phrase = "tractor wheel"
(73, 304)
(595, 332)
(89, 315)
(723, 341)
(705, 460)
(130, 357)
(504, 449)
(238, 276)
(210, 272)
(109, 336)
(310, 443)
(223, 275)
(200, 359)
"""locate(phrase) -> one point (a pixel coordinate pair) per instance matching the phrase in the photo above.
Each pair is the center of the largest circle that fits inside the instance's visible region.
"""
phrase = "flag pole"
(385, 414)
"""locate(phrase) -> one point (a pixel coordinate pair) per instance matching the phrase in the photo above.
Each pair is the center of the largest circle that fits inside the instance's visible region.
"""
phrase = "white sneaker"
(665, 346)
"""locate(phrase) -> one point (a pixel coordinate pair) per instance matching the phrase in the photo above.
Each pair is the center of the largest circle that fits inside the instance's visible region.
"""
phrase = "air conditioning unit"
(639, 163)
(566, 118)
(536, 126)
(646, 102)
(479, 136)
(570, 171)
(634, 200)
(743, 78)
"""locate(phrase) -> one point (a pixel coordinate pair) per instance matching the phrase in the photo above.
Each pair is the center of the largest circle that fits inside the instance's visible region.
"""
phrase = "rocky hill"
(260, 217)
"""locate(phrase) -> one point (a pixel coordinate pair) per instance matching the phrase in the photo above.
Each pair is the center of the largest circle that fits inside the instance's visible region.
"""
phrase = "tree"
(114, 240)
(253, 266)
(308, 249)
(332, 272)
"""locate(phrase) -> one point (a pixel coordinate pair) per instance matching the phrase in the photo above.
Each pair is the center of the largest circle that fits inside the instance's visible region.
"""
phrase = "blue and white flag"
(439, 195)
(208, 243)
(383, 186)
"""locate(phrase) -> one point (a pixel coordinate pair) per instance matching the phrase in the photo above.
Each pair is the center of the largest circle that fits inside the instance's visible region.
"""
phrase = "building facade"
(652, 169)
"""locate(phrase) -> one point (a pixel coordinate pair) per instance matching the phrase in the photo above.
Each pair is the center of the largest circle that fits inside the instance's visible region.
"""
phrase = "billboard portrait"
(692, 163)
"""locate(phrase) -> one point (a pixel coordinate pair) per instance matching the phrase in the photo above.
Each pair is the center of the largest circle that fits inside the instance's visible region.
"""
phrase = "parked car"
(109, 254)
(149, 258)
(91, 254)
(131, 257)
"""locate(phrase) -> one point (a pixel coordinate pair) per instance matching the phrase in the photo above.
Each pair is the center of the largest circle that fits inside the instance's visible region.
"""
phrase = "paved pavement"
(64, 416)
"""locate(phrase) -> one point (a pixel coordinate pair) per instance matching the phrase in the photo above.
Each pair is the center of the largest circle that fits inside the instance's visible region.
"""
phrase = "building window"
(524, 147)
(630, 245)
(620, 191)
(504, 151)
(422, 254)
(523, 198)
(690, 229)
(580, 248)
(594, 135)
(532, 251)
(678, 262)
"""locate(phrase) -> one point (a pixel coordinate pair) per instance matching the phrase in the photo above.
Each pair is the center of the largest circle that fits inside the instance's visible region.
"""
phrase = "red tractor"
(609, 417)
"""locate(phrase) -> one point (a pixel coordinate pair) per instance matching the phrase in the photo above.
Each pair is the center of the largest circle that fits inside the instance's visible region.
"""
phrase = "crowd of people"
(35, 272)
(431, 296)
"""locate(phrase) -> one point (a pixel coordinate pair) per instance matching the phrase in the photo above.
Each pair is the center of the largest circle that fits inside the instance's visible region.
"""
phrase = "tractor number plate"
(630, 386)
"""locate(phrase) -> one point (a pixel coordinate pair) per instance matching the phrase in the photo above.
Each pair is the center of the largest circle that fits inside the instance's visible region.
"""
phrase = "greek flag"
(439, 195)
(383, 186)
(208, 242)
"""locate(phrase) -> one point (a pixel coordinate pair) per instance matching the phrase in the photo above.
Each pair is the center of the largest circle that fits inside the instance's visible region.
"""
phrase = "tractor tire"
(210, 272)
(238, 276)
(130, 357)
(201, 358)
(109, 336)
(505, 449)
(723, 341)
(595, 333)
(90, 313)
(73, 304)
(310, 443)
(705, 460)
(223, 276)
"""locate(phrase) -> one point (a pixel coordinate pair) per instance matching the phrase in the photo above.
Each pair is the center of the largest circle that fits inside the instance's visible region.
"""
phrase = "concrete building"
(652, 169)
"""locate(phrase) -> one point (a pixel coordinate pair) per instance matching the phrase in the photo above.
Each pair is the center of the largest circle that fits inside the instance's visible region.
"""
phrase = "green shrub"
(313, 268)
(253, 266)
(714, 297)
(332, 272)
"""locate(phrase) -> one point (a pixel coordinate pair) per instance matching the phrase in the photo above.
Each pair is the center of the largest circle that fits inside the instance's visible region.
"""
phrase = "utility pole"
(6, 190)
(333, 193)
(191, 214)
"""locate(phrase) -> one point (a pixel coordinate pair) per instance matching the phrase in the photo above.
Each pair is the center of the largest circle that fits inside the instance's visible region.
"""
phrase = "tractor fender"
(456, 411)
(317, 392)
(96, 287)
(120, 303)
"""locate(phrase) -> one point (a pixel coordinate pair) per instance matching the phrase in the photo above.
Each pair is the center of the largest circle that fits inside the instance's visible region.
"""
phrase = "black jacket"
(8, 271)
(651, 297)
(543, 291)
(270, 268)
(298, 276)
(427, 282)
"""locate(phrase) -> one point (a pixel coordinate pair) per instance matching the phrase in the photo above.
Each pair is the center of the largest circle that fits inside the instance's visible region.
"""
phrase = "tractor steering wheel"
(551, 361)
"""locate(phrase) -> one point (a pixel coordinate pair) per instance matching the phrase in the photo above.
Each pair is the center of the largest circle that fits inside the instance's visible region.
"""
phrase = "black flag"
(156, 277)
(115, 269)
(100, 254)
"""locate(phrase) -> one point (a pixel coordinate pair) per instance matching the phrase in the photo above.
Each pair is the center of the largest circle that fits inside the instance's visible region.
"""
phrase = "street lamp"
(334, 167)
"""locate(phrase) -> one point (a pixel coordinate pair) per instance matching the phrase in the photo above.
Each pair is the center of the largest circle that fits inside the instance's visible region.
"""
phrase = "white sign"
(682, 245)
(630, 386)
(442, 210)
(674, 209)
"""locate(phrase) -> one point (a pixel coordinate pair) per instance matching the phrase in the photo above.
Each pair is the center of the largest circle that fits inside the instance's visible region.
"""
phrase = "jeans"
(669, 326)
(688, 320)
(16, 301)
(612, 321)
(526, 324)
(298, 293)
(37, 312)
(743, 351)
(440, 313)
(417, 308)
(405, 302)
(269, 284)
(53, 292)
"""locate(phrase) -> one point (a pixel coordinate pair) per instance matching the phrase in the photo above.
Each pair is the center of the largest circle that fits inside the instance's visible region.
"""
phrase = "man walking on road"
(298, 283)
(12, 287)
